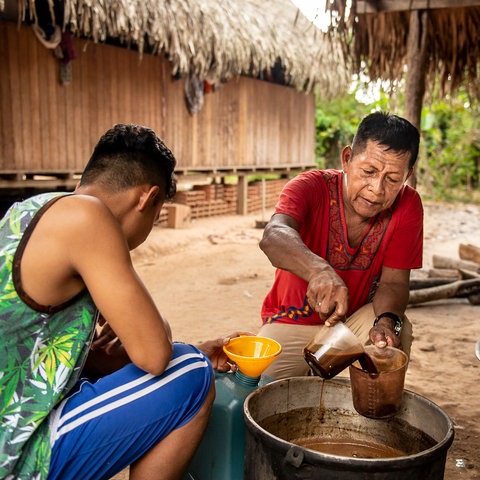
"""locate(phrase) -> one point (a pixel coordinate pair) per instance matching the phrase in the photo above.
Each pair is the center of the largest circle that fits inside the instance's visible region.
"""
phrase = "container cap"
(252, 354)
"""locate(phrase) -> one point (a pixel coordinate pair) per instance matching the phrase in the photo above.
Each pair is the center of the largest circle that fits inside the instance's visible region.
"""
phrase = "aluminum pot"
(289, 409)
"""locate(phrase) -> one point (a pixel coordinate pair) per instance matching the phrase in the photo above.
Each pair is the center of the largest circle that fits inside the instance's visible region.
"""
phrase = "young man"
(343, 243)
(63, 259)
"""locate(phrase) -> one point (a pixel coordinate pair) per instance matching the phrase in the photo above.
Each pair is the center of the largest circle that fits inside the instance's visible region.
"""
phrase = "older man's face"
(373, 178)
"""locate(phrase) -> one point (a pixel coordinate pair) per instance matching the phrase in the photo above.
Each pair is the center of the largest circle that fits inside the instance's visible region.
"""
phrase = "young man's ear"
(148, 197)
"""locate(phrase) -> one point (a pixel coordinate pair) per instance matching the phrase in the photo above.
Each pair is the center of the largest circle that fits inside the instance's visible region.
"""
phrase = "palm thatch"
(215, 40)
(377, 43)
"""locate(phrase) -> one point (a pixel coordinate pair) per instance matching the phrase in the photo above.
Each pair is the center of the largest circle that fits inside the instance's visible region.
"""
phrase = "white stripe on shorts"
(61, 428)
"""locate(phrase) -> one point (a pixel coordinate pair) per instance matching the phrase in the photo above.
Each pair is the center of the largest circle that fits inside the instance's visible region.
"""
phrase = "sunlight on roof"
(314, 10)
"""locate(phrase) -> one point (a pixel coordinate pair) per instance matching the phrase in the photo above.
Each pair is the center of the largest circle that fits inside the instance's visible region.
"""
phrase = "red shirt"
(394, 238)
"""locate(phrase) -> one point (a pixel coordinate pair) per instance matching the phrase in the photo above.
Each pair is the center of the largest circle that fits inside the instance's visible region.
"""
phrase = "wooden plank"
(90, 129)
(46, 67)
(31, 101)
(375, 6)
(7, 124)
(62, 111)
(17, 42)
(56, 129)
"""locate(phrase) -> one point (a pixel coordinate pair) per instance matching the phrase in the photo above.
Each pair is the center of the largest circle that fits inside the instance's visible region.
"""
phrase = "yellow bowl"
(252, 354)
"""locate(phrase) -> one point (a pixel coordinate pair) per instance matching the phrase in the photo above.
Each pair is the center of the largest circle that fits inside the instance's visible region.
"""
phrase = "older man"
(343, 243)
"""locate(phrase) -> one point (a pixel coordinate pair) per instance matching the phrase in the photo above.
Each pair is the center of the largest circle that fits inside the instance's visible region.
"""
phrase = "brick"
(179, 216)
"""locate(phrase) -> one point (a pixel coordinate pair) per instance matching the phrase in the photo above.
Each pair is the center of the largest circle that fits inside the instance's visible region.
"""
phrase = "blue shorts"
(105, 426)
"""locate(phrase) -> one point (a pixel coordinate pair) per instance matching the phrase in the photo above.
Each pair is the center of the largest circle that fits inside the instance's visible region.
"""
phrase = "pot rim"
(366, 464)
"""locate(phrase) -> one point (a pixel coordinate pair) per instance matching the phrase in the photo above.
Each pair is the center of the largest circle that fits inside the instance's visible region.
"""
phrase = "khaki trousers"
(293, 338)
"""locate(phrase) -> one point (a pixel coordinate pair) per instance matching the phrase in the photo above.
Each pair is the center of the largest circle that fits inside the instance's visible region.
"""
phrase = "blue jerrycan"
(220, 455)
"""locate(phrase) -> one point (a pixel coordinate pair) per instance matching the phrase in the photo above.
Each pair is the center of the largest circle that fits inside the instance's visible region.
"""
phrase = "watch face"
(398, 327)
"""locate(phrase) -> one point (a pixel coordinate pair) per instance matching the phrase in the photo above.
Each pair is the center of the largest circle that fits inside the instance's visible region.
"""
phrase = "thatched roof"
(212, 39)
(376, 41)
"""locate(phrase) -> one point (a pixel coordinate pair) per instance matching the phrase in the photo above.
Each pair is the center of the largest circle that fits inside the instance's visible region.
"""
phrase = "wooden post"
(416, 71)
(264, 199)
(242, 202)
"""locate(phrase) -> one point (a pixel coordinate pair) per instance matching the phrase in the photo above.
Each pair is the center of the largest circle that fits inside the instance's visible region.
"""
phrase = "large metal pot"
(289, 409)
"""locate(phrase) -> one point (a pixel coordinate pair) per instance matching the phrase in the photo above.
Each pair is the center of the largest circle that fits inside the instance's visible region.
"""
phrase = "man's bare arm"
(326, 292)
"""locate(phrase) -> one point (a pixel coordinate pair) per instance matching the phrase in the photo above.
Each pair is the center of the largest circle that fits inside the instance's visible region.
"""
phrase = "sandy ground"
(210, 279)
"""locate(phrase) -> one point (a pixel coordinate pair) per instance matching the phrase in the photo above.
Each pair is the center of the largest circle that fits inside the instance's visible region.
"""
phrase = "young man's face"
(150, 217)
(373, 178)
(141, 220)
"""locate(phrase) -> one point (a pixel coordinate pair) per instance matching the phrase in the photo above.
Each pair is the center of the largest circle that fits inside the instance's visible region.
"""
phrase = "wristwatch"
(392, 316)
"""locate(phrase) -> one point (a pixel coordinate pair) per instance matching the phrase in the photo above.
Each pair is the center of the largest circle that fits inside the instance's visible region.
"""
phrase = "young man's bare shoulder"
(75, 214)
(82, 207)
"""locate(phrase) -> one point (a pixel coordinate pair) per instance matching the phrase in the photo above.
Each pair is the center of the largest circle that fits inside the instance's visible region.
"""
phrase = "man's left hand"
(382, 335)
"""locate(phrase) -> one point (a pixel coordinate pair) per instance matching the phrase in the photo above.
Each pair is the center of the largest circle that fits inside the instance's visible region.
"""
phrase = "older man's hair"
(392, 131)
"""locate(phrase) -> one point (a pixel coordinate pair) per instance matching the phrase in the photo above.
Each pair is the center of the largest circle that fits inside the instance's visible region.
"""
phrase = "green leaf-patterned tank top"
(42, 350)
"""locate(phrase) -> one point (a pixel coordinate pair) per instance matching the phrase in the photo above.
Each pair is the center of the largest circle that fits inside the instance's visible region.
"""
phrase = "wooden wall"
(247, 124)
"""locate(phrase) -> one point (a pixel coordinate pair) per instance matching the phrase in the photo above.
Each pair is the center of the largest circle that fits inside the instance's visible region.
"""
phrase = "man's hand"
(328, 295)
(382, 334)
(106, 339)
(107, 354)
(214, 351)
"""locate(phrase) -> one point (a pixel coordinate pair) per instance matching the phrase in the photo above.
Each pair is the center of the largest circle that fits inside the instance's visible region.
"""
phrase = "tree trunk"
(416, 71)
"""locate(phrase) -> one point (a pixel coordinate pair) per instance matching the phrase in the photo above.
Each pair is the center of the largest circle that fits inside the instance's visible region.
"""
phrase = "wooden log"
(469, 252)
(451, 273)
(418, 283)
(467, 274)
(474, 298)
(460, 288)
(452, 263)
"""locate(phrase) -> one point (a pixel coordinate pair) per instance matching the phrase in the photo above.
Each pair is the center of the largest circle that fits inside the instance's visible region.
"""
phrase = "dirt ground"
(210, 278)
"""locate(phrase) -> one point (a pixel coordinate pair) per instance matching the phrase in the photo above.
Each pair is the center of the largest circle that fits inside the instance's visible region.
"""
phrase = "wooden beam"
(377, 6)
(242, 200)
(416, 72)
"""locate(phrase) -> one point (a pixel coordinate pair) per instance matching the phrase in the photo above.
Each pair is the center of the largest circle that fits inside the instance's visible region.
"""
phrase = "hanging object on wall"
(193, 93)
(65, 53)
(49, 36)
(61, 43)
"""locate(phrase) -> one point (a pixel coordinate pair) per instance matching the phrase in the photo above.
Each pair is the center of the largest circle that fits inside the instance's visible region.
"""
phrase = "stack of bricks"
(230, 195)
(203, 201)
(163, 218)
(254, 202)
(221, 199)
(273, 189)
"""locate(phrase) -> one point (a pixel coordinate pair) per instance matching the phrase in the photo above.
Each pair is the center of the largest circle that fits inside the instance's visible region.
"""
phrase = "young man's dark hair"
(130, 155)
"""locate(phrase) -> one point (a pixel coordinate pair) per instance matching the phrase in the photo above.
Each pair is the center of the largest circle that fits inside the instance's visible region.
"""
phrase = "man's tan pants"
(293, 338)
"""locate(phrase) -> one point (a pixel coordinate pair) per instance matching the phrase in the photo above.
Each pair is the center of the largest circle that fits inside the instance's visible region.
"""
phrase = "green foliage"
(449, 160)
(450, 156)
(336, 123)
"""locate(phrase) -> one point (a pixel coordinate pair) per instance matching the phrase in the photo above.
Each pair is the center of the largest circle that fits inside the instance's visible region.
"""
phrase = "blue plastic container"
(220, 455)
